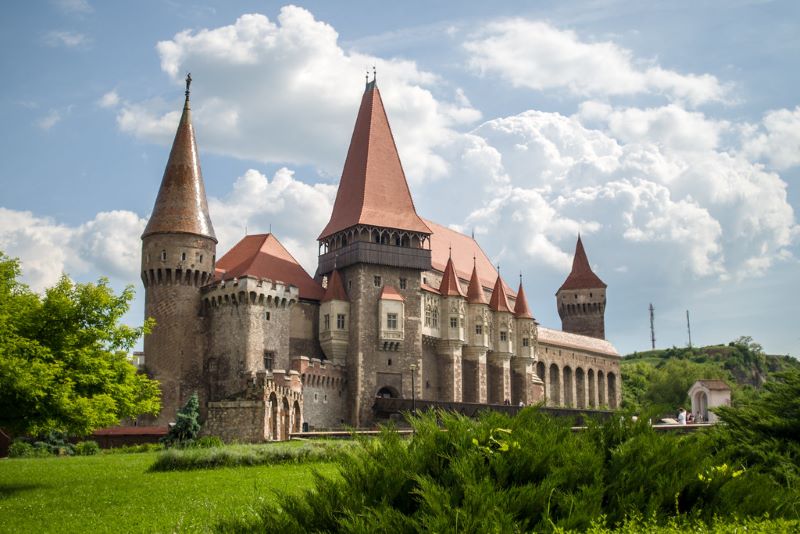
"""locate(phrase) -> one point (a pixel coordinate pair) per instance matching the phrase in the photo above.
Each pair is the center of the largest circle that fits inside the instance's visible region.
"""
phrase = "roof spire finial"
(520, 278)
(450, 251)
(366, 78)
(374, 74)
(498, 269)
(474, 261)
(270, 227)
(188, 83)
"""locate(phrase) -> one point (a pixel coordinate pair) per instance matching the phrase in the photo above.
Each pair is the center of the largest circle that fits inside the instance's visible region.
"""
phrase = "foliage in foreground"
(532, 473)
(63, 357)
(245, 455)
(684, 524)
(187, 424)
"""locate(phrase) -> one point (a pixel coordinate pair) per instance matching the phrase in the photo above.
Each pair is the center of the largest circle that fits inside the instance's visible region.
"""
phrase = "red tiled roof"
(450, 285)
(390, 293)
(426, 287)
(263, 256)
(475, 290)
(335, 289)
(132, 431)
(466, 254)
(181, 205)
(373, 189)
(581, 276)
(499, 301)
(521, 308)
(715, 385)
(559, 339)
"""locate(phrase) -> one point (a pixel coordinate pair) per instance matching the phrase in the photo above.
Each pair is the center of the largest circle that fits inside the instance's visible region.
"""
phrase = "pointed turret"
(335, 289)
(450, 286)
(581, 276)
(499, 301)
(521, 309)
(475, 289)
(181, 205)
(373, 189)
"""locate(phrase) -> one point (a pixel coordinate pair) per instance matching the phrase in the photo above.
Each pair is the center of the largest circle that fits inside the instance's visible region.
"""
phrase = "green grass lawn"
(116, 493)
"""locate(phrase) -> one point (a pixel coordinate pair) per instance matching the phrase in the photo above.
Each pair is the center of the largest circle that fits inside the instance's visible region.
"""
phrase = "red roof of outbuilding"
(581, 276)
(450, 286)
(499, 301)
(181, 205)
(132, 431)
(521, 309)
(335, 289)
(373, 189)
(263, 256)
(390, 293)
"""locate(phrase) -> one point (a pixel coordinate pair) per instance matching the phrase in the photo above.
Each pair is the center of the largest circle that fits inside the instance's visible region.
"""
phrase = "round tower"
(178, 256)
(581, 299)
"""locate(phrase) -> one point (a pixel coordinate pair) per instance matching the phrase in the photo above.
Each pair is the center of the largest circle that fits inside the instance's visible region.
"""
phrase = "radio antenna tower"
(652, 328)
(689, 328)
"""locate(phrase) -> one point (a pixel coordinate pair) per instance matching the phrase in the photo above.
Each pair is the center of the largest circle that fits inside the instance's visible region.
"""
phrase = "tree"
(186, 426)
(63, 357)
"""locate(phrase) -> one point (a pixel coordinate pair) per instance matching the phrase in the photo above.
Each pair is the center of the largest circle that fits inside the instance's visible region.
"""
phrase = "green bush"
(87, 448)
(208, 442)
(20, 449)
(187, 424)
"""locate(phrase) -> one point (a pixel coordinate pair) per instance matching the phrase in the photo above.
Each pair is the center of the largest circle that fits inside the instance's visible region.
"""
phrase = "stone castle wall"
(324, 392)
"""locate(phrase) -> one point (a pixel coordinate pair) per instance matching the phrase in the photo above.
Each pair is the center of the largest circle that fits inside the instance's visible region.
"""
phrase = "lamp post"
(413, 389)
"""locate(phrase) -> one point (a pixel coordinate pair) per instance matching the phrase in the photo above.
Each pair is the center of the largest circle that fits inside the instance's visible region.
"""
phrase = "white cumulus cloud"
(777, 140)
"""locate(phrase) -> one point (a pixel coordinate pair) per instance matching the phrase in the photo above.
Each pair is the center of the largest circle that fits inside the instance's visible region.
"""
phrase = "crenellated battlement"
(249, 291)
(319, 373)
(174, 277)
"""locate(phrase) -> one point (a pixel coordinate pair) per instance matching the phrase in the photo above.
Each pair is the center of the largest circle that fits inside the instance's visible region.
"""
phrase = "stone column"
(474, 375)
(499, 377)
(547, 390)
(450, 371)
(522, 380)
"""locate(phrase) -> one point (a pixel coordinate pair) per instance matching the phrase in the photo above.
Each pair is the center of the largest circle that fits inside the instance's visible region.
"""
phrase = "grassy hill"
(660, 378)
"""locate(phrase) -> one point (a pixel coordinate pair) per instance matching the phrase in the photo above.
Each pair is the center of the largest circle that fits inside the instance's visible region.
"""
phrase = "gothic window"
(402, 283)
(327, 322)
(525, 342)
(391, 321)
(435, 318)
(377, 281)
(427, 316)
(269, 360)
(453, 322)
(340, 321)
(479, 329)
(503, 335)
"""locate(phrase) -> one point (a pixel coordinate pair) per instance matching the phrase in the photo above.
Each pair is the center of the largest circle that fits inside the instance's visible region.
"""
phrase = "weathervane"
(188, 83)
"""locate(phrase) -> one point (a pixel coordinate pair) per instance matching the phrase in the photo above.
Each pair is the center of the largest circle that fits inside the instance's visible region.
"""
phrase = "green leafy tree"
(63, 357)
(186, 425)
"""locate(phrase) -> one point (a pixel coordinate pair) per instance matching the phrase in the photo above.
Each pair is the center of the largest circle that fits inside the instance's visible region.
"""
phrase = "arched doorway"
(297, 419)
(273, 416)
(612, 390)
(701, 403)
(601, 388)
(555, 385)
(592, 389)
(568, 400)
(387, 392)
(580, 388)
(540, 372)
(285, 419)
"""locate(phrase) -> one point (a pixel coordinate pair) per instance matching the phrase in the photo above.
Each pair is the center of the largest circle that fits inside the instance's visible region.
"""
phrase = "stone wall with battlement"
(324, 392)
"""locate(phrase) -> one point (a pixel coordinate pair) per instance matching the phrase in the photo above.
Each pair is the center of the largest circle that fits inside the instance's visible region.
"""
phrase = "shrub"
(87, 448)
(186, 426)
(208, 442)
(20, 449)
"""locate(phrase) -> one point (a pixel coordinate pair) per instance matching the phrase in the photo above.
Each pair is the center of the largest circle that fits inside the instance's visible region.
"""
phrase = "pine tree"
(187, 426)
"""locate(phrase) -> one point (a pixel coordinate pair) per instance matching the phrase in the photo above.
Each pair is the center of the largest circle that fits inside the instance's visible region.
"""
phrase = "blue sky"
(667, 133)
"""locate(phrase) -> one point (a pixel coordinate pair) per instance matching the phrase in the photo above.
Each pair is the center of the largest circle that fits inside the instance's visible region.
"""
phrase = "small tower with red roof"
(499, 358)
(473, 365)
(526, 388)
(178, 256)
(581, 299)
(448, 347)
(334, 322)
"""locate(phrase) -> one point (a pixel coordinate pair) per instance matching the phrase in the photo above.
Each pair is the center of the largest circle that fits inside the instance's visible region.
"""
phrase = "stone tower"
(581, 299)
(178, 255)
(377, 242)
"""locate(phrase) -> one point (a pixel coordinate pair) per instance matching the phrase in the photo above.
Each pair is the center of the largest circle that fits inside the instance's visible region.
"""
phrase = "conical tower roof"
(499, 300)
(521, 309)
(581, 276)
(475, 289)
(373, 189)
(450, 286)
(181, 205)
(335, 289)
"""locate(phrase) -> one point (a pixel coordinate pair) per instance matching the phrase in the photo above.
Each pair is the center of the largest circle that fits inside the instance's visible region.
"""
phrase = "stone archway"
(580, 388)
(297, 417)
(701, 403)
(387, 392)
(273, 416)
(568, 390)
(555, 385)
(601, 389)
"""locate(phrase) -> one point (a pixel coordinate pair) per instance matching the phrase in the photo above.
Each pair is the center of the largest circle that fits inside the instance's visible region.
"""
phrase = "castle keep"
(397, 301)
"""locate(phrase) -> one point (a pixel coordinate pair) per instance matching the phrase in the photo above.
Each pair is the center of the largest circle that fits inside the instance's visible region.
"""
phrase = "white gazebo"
(707, 394)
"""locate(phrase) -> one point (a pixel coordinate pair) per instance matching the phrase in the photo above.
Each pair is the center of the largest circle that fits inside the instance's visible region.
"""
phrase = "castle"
(397, 302)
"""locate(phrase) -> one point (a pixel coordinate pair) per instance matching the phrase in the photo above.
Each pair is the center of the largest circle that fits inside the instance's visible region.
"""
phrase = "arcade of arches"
(578, 387)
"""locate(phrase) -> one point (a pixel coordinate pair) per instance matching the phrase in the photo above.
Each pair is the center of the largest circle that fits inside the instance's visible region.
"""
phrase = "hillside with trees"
(660, 379)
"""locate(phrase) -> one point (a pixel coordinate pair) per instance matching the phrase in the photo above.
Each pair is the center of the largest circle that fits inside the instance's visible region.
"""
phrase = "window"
(525, 342)
(503, 335)
(391, 321)
(435, 318)
(267, 316)
(424, 280)
(427, 316)
(269, 360)
(340, 321)
(377, 281)
(349, 284)
(453, 322)
(201, 259)
(183, 256)
(479, 329)
(389, 363)
(402, 283)
(327, 322)
(163, 255)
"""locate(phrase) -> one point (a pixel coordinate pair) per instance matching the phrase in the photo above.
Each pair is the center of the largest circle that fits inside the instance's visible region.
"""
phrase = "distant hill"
(662, 377)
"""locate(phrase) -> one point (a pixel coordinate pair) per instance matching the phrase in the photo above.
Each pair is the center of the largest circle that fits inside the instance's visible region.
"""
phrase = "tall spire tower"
(581, 299)
(380, 246)
(178, 255)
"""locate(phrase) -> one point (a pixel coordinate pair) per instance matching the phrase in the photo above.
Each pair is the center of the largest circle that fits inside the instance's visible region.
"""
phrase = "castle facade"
(397, 302)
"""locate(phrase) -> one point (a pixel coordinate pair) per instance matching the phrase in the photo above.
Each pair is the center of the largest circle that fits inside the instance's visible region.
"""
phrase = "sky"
(666, 133)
